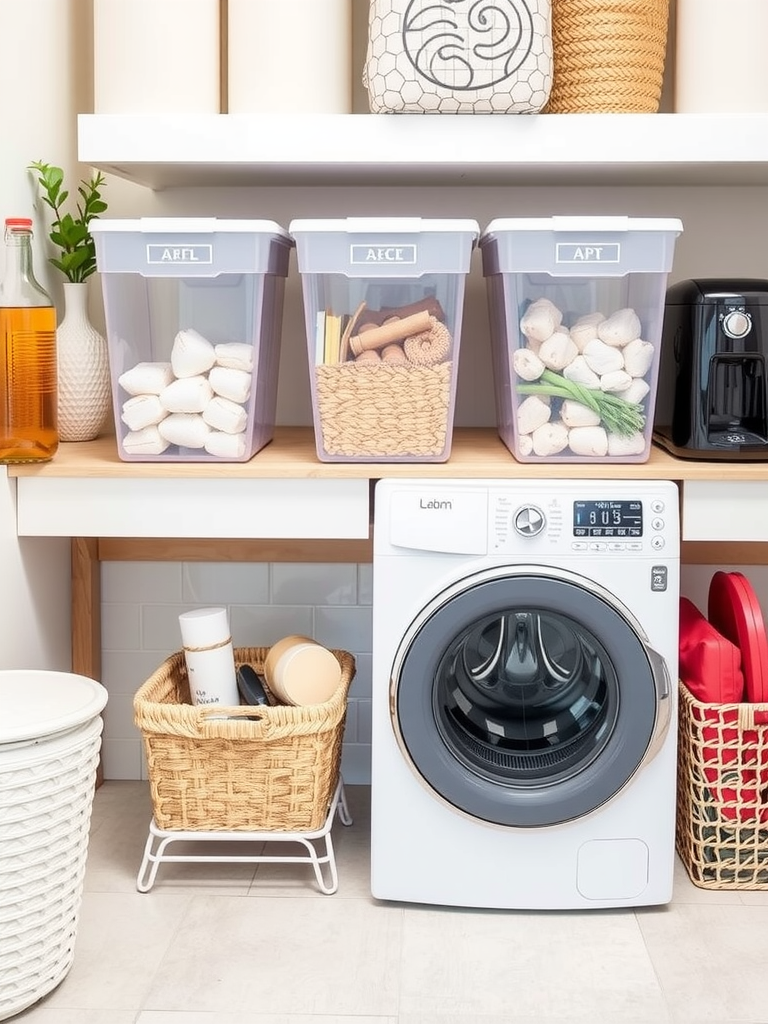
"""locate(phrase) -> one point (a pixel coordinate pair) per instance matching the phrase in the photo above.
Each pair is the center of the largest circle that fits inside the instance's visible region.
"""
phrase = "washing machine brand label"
(659, 576)
(435, 503)
(429, 518)
(581, 252)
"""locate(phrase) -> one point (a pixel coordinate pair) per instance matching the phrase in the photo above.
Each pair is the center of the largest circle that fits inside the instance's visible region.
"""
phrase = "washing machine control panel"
(584, 522)
(526, 517)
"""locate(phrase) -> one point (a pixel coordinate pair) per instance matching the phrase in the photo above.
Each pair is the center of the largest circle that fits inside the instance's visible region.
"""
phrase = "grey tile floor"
(245, 944)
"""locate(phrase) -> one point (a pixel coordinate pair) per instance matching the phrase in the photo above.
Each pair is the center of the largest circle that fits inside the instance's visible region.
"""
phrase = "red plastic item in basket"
(709, 664)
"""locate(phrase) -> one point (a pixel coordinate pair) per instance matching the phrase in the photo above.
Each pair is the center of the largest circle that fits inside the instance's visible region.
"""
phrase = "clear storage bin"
(576, 306)
(194, 316)
(383, 303)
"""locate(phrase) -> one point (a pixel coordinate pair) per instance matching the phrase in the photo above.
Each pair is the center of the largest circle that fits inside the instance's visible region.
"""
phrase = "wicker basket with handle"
(608, 56)
(260, 769)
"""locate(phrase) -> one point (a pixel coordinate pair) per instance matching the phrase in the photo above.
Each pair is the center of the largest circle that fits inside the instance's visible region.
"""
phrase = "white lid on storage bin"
(35, 703)
(384, 225)
(584, 223)
(186, 225)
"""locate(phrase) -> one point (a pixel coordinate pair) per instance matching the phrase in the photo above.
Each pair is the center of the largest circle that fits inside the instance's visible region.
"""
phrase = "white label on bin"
(382, 254)
(179, 253)
(588, 252)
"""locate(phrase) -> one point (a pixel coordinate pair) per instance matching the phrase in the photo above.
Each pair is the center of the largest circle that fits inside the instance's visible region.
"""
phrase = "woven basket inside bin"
(277, 772)
(608, 56)
(384, 410)
(722, 793)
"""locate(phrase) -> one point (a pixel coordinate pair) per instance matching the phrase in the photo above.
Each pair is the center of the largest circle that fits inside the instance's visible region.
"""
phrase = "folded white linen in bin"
(191, 354)
(145, 442)
(146, 378)
(188, 430)
(188, 394)
(143, 411)
(221, 414)
(225, 446)
(236, 355)
(229, 383)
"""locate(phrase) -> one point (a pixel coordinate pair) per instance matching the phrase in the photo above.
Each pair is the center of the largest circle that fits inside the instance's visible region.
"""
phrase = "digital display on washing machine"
(615, 519)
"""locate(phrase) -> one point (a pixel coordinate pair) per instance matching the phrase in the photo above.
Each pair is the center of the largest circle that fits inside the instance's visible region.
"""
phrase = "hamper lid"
(36, 703)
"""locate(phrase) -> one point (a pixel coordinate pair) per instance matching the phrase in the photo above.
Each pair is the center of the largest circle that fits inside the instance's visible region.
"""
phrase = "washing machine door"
(528, 697)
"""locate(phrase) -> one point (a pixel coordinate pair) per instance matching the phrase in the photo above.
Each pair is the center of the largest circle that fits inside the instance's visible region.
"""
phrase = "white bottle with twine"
(209, 656)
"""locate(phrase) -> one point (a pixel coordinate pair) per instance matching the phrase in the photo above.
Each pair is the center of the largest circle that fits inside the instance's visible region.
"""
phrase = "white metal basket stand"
(320, 856)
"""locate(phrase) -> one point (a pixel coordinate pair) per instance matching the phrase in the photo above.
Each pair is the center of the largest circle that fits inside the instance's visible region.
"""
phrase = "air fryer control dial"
(529, 521)
(736, 323)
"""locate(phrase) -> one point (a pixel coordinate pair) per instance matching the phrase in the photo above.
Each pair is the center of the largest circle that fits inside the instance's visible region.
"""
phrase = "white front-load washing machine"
(525, 640)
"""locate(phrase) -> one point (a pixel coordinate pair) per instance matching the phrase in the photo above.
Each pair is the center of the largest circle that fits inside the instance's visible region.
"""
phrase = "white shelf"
(165, 150)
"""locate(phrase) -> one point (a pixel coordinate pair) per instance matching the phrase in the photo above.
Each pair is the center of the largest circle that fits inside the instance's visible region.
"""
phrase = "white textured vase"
(85, 393)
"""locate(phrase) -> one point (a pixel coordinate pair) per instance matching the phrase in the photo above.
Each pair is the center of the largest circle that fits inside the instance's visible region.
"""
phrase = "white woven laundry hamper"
(50, 737)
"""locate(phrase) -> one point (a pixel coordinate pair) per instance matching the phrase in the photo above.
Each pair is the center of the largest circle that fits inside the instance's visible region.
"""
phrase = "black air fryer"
(715, 342)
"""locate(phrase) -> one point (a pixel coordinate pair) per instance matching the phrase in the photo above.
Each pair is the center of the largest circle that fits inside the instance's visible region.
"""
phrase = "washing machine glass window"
(543, 697)
(527, 695)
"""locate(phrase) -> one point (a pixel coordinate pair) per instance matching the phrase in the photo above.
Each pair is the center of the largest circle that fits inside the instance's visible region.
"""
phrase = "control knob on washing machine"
(529, 521)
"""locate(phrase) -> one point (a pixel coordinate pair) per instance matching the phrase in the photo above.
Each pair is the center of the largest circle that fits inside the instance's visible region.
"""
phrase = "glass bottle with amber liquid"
(28, 371)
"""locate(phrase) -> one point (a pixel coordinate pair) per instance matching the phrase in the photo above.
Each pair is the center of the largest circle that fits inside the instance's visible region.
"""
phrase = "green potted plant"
(69, 233)
(83, 362)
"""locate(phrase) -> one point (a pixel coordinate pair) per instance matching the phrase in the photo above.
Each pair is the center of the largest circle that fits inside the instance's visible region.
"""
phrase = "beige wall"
(44, 81)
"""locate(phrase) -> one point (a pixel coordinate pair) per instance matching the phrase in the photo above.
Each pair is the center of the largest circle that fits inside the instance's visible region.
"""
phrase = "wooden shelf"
(163, 151)
(476, 453)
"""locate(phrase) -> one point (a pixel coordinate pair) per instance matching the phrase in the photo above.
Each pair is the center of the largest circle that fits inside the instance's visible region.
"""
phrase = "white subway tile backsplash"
(124, 671)
(138, 581)
(121, 627)
(363, 721)
(160, 626)
(225, 583)
(365, 584)
(361, 684)
(118, 718)
(264, 625)
(317, 583)
(348, 628)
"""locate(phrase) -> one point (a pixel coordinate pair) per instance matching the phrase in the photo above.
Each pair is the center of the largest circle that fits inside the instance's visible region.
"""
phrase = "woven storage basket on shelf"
(608, 56)
(276, 773)
(384, 411)
(722, 793)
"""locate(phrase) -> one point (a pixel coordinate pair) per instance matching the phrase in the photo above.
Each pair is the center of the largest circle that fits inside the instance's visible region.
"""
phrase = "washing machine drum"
(528, 698)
